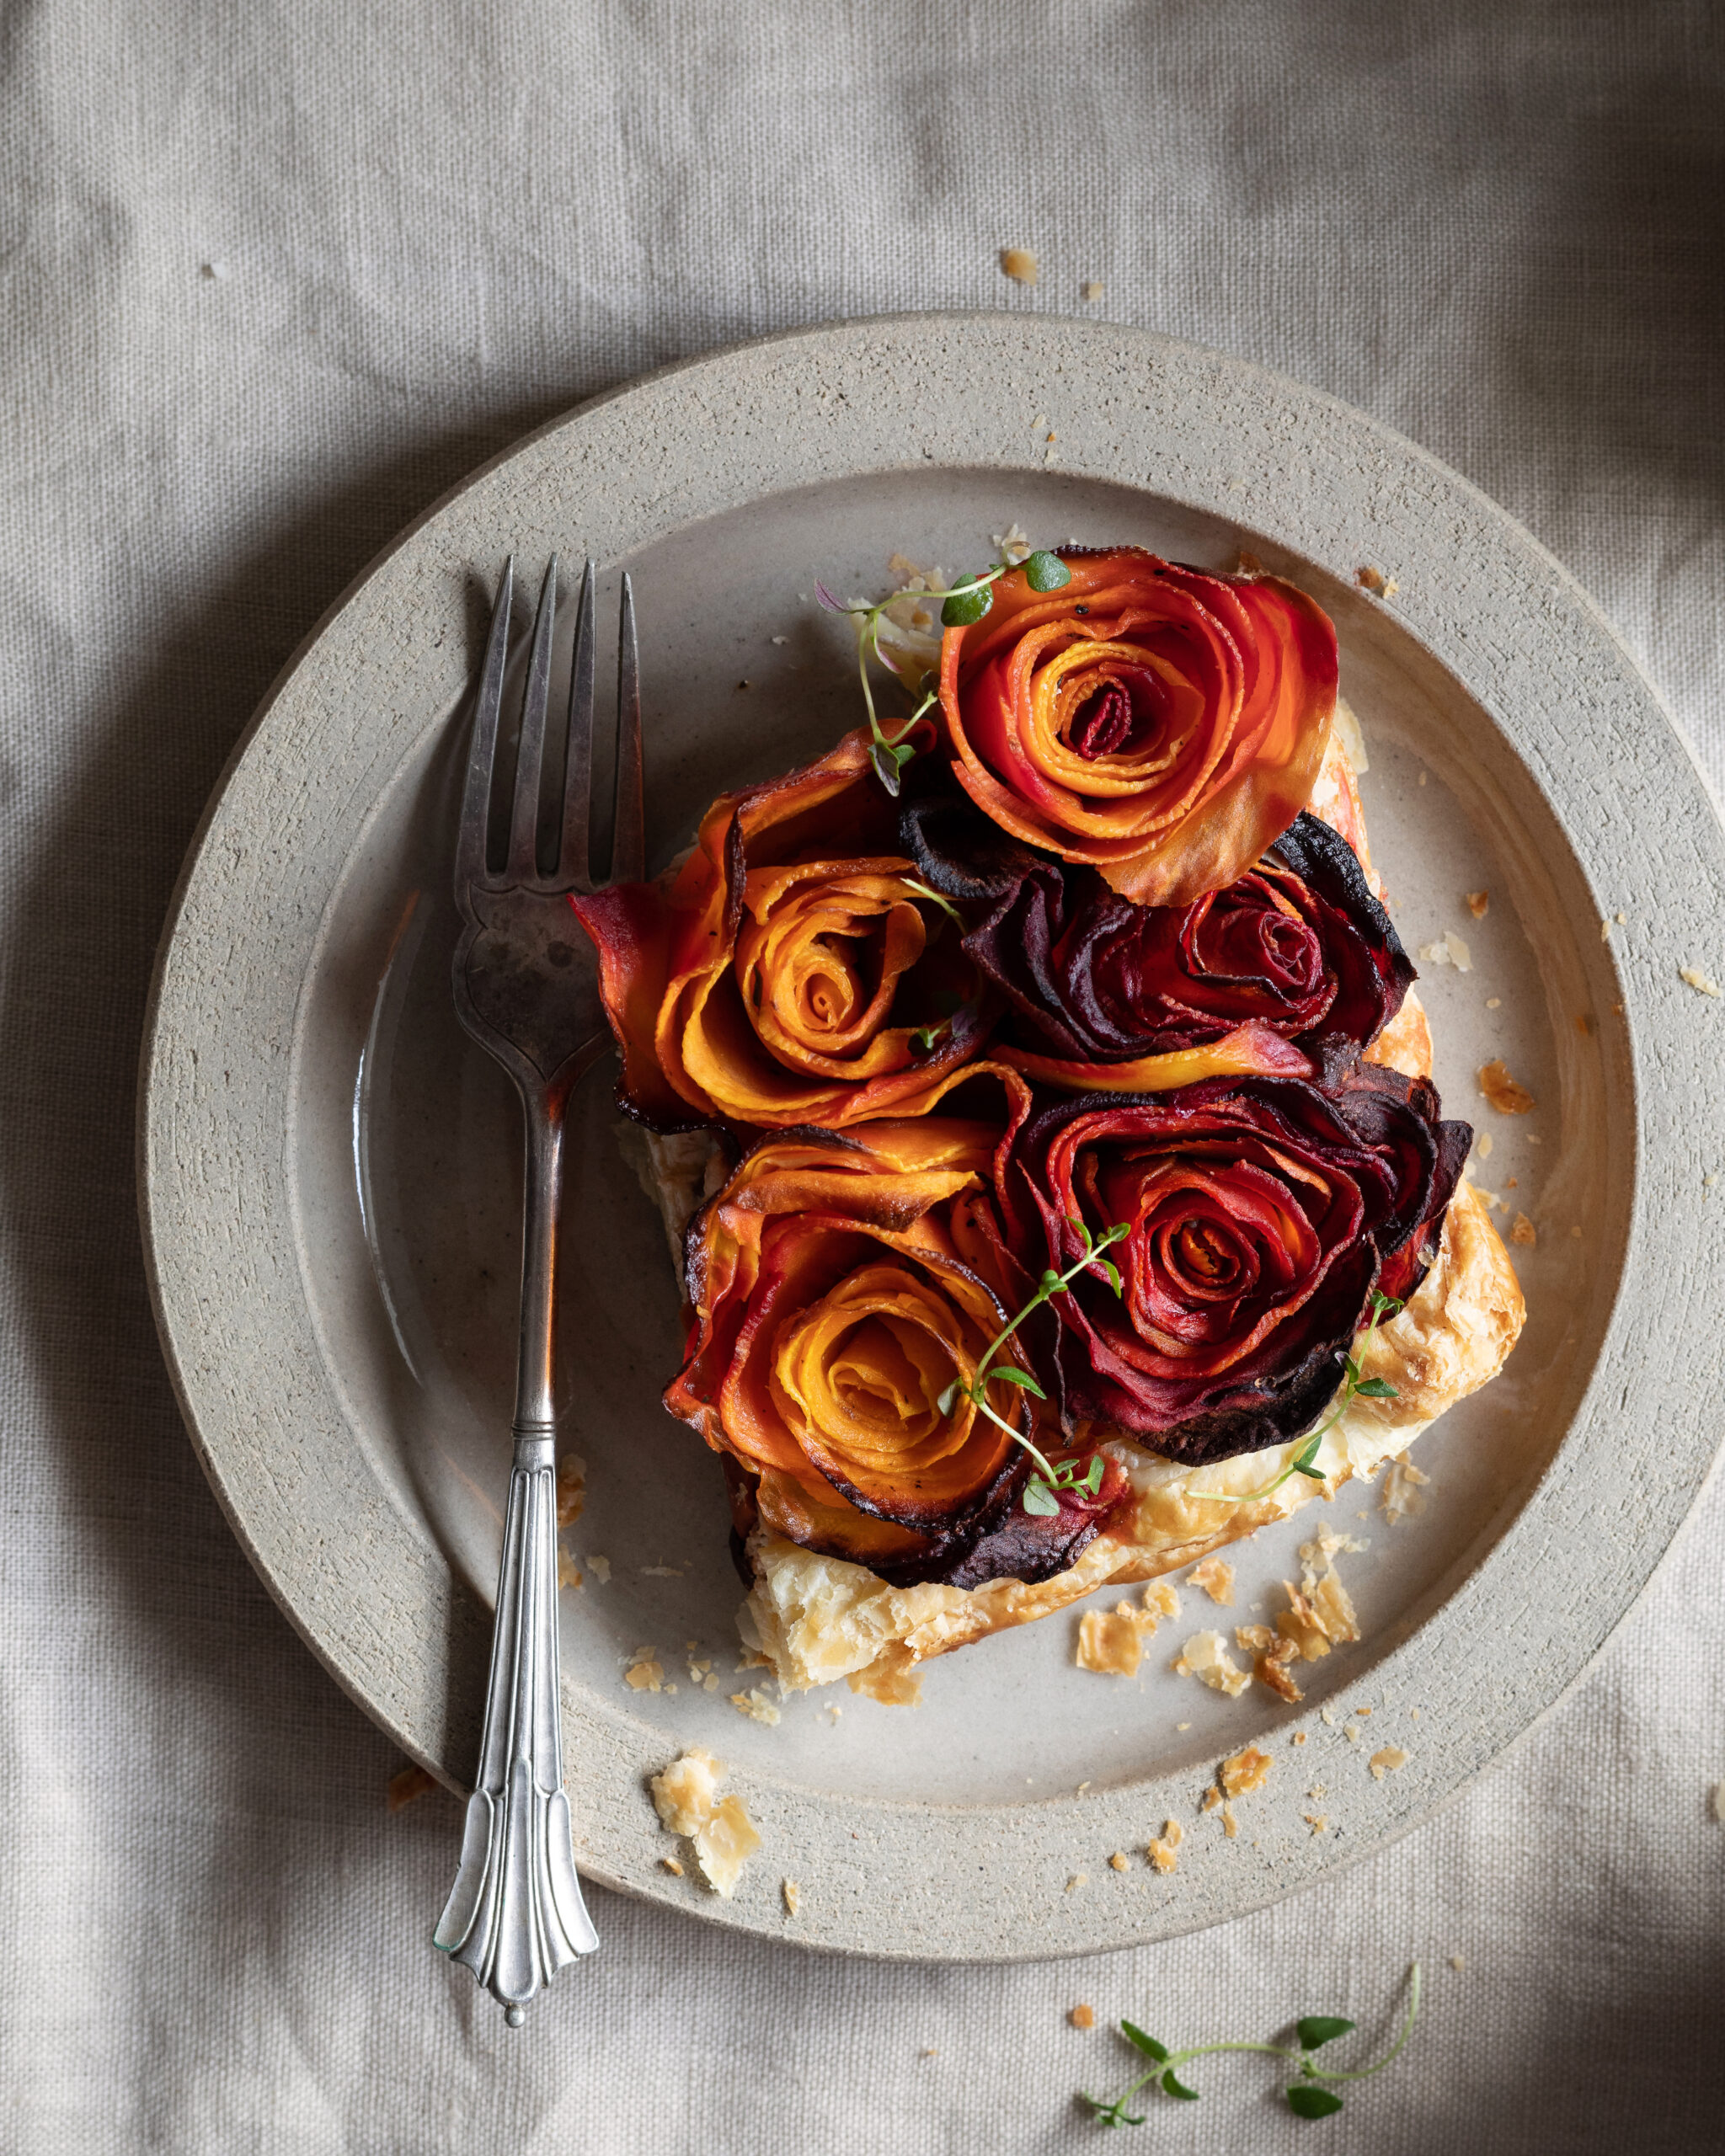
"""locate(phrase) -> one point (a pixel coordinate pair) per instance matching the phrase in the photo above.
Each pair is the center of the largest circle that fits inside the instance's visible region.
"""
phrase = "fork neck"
(536, 1411)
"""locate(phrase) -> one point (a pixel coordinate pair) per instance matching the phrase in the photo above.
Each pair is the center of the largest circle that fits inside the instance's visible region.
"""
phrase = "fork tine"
(628, 846)
(572, 865)
(481, 749)
(530, 756)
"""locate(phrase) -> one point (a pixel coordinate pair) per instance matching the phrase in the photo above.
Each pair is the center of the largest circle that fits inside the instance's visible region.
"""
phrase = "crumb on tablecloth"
(410, 1783)
(1082, 2017)
(1018, 264)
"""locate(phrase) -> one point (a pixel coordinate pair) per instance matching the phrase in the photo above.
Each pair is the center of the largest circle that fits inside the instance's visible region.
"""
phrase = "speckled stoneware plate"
(330, 1175)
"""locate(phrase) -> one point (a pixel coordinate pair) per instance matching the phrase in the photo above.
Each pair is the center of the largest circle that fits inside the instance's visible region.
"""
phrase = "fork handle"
(514, 1916)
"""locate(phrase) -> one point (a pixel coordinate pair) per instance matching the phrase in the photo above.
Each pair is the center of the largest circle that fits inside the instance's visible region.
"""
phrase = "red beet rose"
(1263, 1211)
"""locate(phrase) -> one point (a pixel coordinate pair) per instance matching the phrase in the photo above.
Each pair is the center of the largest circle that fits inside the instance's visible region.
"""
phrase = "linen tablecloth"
(277, 276)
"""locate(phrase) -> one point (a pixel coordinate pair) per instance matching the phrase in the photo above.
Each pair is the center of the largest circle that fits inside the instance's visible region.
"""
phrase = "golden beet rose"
(842, 1285)
(796, 971)
(1162, 726)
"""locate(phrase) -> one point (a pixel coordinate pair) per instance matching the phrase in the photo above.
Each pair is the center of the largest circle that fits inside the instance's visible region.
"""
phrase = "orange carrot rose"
(796, 971)
(1162, 726)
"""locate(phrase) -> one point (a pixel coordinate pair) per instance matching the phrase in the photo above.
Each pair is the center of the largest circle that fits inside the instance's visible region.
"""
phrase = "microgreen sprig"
(965, 603)
(1353, 1387)
(1307, 2097)
(1040, 1491)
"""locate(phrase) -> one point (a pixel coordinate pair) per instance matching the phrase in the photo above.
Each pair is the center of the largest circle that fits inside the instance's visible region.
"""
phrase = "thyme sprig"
(1040, 1491)
(963, 604)
(1306, 2095)
(1353, 1387)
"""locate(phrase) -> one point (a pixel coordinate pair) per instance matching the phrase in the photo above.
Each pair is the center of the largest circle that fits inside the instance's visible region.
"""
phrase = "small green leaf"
(886, 767)
(1312, 1474)
(1113, 1271)
(903, 753)
(925, 1037)
(965, 607)
(1352, 1368)
(1306, 2102)
(1079, 1229)
(949, 1399)
(1148, 2045)
(1178, 2089)
(1117, 1233)
(1008, 1376)
(1049, 1281)
(1383, 1305)
(1093, 1479)
(1320, 2029)
(1046, 572)
(1039, 1499)
(1376, 1389)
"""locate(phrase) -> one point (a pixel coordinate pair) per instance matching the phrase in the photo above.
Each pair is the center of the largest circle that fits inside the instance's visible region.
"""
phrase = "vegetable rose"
(840, 1285)
(1160, 725)
(1297, 946)
(1263, 1211)
(796, 972)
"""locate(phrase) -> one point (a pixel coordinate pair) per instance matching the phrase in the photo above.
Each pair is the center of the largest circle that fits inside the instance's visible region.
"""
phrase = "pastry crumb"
(1231, 1825)
(1078, 1878)
(1205, 1656)
(1299, 1736)
(1082, 2017)
(670, 1864)
(1211, 1798)
(1111, 1642)
(571, 1488)
(1161, 1852)
(1247, 564)
(600, 1567)
(1501, 1090)
(1716, 1797)
(720, 1832)
(792, 1894)
(1376, 582)
(1524, 1232)
(1403, 1494)
(1160, 1599)
(1386, 1761)
(1351, 1731)
(757, 1707)
(1315, 1820)
(1018, 264)
(646, 1673)
(1242, 1772)
(1479, 904)
(1217, 1578)
(1450, 950)
(1119, 1860)
(1458, 1961)
(1703, 984)
(1090, 290)
(411, 1783)
(1011, 545)
(568, 1573)
(1483, 1143)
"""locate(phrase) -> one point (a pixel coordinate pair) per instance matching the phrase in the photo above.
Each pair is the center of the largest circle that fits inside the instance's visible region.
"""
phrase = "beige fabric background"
(1498, 228)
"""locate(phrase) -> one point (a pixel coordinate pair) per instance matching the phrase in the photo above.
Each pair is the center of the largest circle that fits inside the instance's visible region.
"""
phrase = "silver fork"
(526, 989)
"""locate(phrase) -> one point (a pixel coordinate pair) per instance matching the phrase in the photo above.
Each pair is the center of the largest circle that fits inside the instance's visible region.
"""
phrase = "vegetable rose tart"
(797, 970)
(845, 1290)
(1159, 725)
(1264, 1215)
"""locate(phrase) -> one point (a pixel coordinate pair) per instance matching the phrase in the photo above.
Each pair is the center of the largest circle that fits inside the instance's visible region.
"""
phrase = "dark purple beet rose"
(1263, 1211)
(1298, 945)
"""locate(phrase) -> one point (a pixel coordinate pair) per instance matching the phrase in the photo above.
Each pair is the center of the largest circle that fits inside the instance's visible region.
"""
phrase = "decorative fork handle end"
(514, 1915)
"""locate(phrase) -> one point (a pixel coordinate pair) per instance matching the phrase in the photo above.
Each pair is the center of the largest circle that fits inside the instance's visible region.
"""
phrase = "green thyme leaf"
(1383, 1306)
(949, 1399)
(1376, 1389)
(1178, 2089)
(1046, 572)
(1113, 1271)
(1008, 1376)
(1317, 2029)
(903, 753)
(1079, 1229)
(1093, 1479)
(965, 607)
(886, 767)
(1148, 2045)
(1306, 2102)
(1039, 1499)
(1352, 1368)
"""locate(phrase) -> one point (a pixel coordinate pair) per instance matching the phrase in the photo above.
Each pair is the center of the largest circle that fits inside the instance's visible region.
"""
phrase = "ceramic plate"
(330, 1173)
